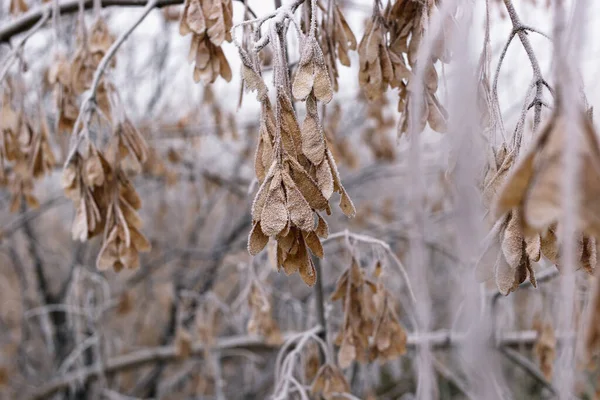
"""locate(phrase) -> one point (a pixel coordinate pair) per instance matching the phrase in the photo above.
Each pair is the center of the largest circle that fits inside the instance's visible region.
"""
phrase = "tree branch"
(437, 339)
(521, 31)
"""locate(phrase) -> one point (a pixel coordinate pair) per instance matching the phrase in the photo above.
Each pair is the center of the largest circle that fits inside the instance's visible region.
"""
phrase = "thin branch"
(29, 19)
(521, 31)
(8, 61)
(528, 366)
(437, 339)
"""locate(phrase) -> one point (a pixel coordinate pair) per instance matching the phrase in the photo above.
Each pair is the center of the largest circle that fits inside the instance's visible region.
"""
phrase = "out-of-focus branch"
(8, 61)
(438, 339)
(29, 19)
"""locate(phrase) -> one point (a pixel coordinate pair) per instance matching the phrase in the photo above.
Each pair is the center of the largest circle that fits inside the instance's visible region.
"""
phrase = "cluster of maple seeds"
(371, 329)
(71, 79)
(95, 179)
(337, 39)
(295, 168)
(106, 200)
(210, 23)
(533, 190)
(25, 153)
(390, 38)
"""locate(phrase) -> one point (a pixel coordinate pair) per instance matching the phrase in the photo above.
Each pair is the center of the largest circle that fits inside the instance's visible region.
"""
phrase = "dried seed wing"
(184, 29)
(322, 230)
(542, 202)
(261, 196)
(307, 186)
(531, 274)
(512, 192)
(224, 68)
(307, 269)
(512, 240)
(195, 17)
(139, 241)
(303, 81)
(322, 84)
(257, 240)
(274, 215)
(346, 205)
(254, 82)
(533, 247)
(549, 245)
(259, 167)
(313, 243)
(300, 212)
(505, 276)
(325, 178)
(313, 142)
(437, 114)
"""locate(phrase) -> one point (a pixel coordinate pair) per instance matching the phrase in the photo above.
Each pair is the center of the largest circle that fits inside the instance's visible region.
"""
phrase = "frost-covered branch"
(521, 31)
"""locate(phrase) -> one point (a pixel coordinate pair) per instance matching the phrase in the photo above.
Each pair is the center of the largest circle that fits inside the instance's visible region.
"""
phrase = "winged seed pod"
(406, 22)
(357, 295)
(312, 76)
(65, 98)
(533, 189)
(517, 251)
(210, 23)
(389, 337)
(296, 170)
(122, 241)
(335, 42)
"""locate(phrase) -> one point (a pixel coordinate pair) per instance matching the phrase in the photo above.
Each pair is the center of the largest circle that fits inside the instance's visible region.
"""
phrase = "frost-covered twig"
(278, 18)
(10, 59)
(521, 30)
(113, 50)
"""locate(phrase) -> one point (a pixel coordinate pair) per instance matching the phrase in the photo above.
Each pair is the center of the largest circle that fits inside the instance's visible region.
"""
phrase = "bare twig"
(521, 30)
(10, 59)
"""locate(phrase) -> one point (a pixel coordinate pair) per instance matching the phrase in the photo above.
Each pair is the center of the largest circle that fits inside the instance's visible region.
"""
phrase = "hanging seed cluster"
(392, 37)
(72, 78)
(518, 252)
(105, 199)
(95, 178)
(371, 329)
(534, 191)
(25, 153)
(336, 40)
(210, 23)
(295, 168)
